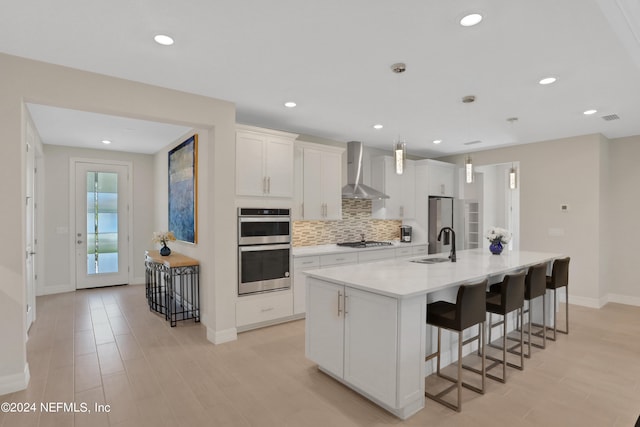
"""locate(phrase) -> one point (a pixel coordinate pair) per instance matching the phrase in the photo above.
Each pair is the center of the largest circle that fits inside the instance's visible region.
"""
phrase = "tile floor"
(103, 346)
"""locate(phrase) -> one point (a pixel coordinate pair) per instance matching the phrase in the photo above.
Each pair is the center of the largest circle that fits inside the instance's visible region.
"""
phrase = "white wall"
(32, 81)
(552, 173)
(621, 236)
(56, 255)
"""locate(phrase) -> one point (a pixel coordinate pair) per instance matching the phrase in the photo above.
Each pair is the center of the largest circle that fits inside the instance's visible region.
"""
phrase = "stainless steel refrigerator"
(440, 215)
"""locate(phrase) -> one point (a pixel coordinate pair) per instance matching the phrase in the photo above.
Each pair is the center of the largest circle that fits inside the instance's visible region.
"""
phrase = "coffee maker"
(405, 233)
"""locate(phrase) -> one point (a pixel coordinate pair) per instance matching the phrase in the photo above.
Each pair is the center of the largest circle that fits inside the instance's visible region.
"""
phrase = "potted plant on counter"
(163, 237)
(498, 237)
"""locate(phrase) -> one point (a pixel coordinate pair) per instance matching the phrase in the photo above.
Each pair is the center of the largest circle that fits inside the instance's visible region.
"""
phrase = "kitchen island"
(366, 323)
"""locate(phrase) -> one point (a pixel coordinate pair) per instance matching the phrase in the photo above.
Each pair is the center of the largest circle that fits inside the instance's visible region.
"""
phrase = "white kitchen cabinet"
(324, 306)
(263, 309)
(301, 264)
(264, 162)
(297, 210)
(403, 252)
(441, 178)
(319, 192)
(400, 189)
(377, 255)
(420, 250)
(344, 341)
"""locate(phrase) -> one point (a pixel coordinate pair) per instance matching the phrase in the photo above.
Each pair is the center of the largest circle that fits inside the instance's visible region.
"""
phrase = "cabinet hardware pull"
(307, 262)
(264, 185)
(345, 303)
(302, 209)
(266, 309)
(339, 296)
(268, 185)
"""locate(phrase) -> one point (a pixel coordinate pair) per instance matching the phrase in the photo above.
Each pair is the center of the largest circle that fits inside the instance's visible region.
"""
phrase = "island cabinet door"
(371, 337)
(325, 325)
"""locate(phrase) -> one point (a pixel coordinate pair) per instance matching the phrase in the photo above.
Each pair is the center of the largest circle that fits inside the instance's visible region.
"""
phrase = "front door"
(101, 224)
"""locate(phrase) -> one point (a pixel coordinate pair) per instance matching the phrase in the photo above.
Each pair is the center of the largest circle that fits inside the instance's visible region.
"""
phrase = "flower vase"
(165, 250)
(496, 247)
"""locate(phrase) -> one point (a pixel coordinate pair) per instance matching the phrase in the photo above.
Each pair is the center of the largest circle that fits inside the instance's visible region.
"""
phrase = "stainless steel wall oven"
(264, 250)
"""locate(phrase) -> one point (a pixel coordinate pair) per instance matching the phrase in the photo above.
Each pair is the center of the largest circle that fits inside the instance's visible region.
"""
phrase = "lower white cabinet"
(263, 308)
(300, 264)
(353, 335)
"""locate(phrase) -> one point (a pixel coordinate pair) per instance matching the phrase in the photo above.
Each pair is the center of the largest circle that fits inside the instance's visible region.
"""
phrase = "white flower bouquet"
(163, 237)
(498, 235)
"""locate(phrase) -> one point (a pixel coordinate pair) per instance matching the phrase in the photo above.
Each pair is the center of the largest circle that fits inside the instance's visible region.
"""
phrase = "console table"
(173, 286)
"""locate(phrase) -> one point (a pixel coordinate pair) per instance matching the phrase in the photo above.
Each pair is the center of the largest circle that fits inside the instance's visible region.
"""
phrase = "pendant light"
(512, 178)
(399, 146)
(399, 155)
(468, 169)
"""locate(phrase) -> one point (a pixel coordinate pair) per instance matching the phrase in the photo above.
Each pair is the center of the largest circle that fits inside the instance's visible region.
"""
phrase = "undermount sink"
(431, 260)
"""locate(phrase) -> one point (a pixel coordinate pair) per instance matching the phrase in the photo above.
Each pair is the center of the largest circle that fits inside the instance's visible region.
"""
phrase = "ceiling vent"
(472, 142)
(611, 117)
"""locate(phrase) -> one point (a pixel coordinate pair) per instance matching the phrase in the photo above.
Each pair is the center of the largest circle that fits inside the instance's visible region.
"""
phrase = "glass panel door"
(101, 229)
(102, 222)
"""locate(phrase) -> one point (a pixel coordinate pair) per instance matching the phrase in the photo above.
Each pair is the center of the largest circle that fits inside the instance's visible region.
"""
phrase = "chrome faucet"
(447, 232)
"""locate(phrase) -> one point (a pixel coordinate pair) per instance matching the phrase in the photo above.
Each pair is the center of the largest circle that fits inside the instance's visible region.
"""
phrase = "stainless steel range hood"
(355, 189)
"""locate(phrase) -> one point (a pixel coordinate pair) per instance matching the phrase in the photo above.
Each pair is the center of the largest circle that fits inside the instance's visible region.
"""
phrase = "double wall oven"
(264, 250)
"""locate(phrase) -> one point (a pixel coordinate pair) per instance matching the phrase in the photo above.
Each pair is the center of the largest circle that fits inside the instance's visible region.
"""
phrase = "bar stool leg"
(459, 408)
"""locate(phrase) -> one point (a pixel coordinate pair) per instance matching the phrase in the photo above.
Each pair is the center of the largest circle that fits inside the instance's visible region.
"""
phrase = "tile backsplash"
(356, 220)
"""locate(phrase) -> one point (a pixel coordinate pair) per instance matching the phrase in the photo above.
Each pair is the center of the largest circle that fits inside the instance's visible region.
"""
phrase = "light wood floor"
(104, 346)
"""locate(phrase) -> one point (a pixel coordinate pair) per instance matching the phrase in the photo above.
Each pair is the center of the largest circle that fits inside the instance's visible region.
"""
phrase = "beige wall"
(552, 173)
(599, 179)
(623, 229)
(31, 81)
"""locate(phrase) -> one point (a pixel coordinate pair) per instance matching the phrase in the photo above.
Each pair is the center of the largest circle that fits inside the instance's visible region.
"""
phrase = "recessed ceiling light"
(471, 20)
(437, 141)
(290, 104)
(106, 141)
(547, 80)
(163, 39)
(378, 126)
(590, 112)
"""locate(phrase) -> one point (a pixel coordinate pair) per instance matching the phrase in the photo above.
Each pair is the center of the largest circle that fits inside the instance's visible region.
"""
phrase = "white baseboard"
(219, 337)
(623, 299)
(138, 281)
(584, 301)
(58, 289)
(15, 382)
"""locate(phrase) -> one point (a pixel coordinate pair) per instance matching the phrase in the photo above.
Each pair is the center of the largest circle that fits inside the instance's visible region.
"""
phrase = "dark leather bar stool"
(559, 278)
(535, 287)
(502, 299)
(468, 311)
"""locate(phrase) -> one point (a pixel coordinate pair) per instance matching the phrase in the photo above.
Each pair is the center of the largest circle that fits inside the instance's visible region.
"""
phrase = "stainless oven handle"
(257, 248)
(265, 219)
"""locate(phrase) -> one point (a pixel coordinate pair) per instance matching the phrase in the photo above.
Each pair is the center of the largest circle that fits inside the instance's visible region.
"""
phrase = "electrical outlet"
(564, 207)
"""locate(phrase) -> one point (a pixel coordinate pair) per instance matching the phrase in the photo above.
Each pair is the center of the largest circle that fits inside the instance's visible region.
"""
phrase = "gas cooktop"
(364, 244)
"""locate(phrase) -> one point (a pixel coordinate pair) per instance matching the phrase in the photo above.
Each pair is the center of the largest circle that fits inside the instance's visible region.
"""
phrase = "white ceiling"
(333, 58)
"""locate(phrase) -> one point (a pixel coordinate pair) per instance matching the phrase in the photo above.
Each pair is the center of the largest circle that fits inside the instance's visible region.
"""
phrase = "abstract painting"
(183, 185)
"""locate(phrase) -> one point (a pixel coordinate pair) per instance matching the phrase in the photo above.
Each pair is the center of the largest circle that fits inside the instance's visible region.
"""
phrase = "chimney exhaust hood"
(355, 189)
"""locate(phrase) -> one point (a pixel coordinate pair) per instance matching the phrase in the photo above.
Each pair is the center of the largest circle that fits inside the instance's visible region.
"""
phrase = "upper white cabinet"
(401, 189)
(319, 195)
(264, 162)
(441, 178)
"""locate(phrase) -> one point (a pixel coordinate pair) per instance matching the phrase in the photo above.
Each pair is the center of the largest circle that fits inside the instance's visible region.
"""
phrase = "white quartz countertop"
(334, 249)
(401, 278)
